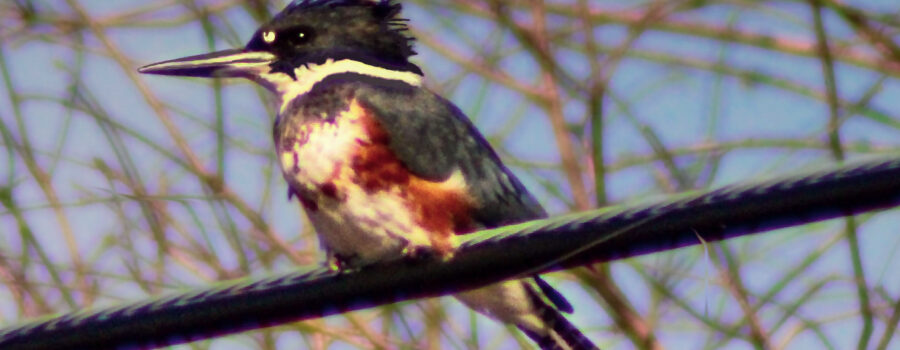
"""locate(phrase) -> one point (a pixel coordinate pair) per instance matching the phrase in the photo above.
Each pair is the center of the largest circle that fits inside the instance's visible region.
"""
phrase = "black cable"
(486, 257)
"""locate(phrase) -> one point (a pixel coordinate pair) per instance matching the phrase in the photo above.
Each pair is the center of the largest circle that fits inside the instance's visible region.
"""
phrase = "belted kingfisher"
(383, 167)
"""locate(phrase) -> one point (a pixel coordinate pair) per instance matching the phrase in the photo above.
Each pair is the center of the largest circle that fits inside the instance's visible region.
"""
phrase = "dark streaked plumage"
(367, 31)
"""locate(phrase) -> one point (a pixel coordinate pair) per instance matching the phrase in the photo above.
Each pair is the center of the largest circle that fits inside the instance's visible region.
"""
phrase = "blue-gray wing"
(433, 138)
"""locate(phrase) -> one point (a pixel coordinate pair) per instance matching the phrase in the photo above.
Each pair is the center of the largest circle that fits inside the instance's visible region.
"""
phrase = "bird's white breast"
(349, 220)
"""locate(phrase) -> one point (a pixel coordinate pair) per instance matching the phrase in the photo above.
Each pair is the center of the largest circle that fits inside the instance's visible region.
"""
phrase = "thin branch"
(837, 151)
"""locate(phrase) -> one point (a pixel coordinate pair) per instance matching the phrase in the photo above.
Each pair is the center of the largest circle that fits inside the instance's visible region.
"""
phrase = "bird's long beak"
(226, 63)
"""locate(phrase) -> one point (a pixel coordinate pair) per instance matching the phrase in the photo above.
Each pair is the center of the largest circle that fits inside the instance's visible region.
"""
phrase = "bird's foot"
(418, 254)
(343, 263)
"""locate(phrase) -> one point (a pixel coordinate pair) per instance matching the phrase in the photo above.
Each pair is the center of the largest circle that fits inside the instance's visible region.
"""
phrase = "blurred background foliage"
(117, 187)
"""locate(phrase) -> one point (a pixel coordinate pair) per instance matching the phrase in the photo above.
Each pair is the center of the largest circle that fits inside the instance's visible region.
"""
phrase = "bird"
(383, 167)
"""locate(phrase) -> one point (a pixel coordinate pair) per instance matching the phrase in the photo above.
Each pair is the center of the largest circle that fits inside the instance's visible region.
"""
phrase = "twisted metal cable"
(485, 257)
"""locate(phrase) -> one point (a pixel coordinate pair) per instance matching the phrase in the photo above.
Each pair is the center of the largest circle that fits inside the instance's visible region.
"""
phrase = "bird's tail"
(534, 307)
(558, 333)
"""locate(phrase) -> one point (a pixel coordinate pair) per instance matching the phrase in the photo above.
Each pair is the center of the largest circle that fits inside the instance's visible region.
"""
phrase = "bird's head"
(309, 40)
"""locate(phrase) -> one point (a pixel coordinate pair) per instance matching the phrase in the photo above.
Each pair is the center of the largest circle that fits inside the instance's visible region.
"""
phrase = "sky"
(685, 107)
